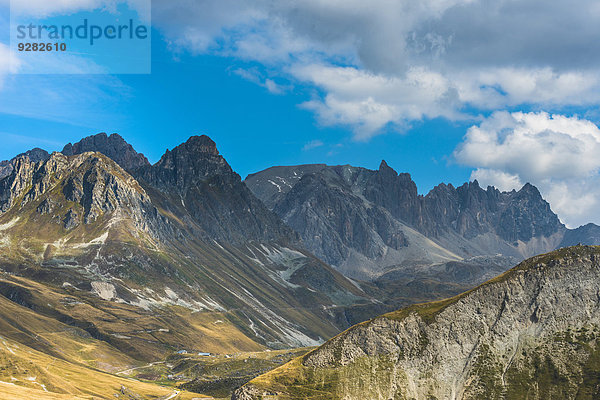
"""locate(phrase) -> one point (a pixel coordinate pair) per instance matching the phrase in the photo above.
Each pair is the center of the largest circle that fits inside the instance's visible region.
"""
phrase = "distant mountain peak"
(113, 146)
(202, 144)
(193, 161)
(36, 154)
(195, 176)
(386, 169)
(383, 165)
(530, 189)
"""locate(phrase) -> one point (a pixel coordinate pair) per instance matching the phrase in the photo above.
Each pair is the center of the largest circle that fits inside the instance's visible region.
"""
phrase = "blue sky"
(345, 83)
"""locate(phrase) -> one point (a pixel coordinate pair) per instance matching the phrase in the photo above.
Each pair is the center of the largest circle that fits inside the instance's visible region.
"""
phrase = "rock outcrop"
(34, 155)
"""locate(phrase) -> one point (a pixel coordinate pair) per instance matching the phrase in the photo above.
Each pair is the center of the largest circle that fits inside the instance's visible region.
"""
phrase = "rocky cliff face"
(336, 222)
(448, 224)
(34, 155)
(75, 190)
(113, 146)
(531, 333)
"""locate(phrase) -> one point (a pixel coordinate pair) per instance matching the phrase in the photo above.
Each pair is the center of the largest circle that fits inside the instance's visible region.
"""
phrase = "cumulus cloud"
(386, 63)
(390, 100)
(557, 153)
(533, 145)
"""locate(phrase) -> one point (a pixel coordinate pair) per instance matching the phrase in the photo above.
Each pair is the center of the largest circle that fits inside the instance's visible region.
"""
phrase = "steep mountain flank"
(531, 333)
(194, 241)
(195, 183)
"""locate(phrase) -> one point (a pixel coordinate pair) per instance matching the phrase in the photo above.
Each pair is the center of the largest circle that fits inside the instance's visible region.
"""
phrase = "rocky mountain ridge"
(35, 155)
(530, 333)
(405, 229)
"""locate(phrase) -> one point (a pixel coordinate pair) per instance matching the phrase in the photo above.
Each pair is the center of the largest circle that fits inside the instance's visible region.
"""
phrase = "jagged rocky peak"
(197, 183)
(386, 172)
(395, 192)
(188, 164)
(113, 146)
(528, 215)
(34, 155)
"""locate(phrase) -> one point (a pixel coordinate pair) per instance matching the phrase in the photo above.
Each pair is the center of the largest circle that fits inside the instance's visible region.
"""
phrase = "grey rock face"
(113, 146)
(471, 211)
(395, 192)
(334, 220)
(586, 234)
(34, 155)
(91, 185)
(352, 216)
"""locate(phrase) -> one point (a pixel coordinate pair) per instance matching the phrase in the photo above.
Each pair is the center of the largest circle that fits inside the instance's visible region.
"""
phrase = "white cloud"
(559, 154)
(533, 145)
(313, 144)
(369, 102)
(255, 76)
(499, 179)
(386, 63)
(493, 88)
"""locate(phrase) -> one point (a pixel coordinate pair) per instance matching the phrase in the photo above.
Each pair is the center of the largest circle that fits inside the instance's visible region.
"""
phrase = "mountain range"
(183, 236)
(370, 224)
(112, 262)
